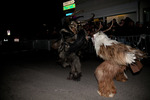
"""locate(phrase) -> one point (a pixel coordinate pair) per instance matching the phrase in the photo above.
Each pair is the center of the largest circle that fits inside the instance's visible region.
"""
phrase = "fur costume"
(73, 41)
(117, 56)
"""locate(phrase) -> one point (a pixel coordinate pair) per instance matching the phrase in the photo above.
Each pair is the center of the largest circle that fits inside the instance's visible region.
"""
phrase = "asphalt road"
(37, 76)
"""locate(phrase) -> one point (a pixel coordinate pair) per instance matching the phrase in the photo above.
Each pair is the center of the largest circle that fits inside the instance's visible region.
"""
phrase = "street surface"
(38, 76)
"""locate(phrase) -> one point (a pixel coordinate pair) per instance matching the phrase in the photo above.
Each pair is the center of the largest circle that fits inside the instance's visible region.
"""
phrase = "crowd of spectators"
(126, 31)
(126, 27)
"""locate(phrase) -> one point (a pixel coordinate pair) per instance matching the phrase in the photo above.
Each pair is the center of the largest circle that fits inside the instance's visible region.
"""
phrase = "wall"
(112, 10)
(118, 18)
(143, 4)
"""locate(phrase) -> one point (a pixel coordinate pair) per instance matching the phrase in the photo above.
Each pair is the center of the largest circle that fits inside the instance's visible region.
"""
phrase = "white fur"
(101, 38)
(125, 75)
(130, 58)
(99, 92)
(110, 95)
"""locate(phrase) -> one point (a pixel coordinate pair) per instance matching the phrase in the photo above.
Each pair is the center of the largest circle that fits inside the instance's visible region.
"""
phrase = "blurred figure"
(72, 42)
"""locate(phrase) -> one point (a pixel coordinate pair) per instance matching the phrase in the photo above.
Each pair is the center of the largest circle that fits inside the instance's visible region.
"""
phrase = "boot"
(70, 77)
(77, 76)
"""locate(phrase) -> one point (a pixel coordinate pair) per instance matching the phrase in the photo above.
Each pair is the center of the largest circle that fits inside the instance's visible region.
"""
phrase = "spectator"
(139, 29)
(112, 28)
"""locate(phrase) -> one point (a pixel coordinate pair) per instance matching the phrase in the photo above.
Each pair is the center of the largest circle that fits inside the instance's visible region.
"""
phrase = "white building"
(137, 10)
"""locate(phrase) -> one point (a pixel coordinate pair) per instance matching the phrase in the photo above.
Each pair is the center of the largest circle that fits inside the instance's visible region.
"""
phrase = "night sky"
(29, 17)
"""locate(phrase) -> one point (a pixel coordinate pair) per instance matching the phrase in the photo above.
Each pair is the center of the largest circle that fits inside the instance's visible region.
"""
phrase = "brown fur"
(55, 44)
(116, 53)
(105, 73)
(120, 77)
(117, 56)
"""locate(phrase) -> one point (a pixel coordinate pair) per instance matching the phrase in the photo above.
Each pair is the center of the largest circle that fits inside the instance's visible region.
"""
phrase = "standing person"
(73, 40)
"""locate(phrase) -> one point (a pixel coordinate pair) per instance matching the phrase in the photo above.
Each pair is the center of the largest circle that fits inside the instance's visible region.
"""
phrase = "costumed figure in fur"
(72, 42)
(117, 57)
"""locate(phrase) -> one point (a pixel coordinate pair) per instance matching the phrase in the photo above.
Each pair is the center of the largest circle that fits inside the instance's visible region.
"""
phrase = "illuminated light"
(121, 15)
(16, 39)
(5, 40)
(68, 2)
(96, 20)
(8, 32)
(44, 24)
(68, 14)
(69, 7)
